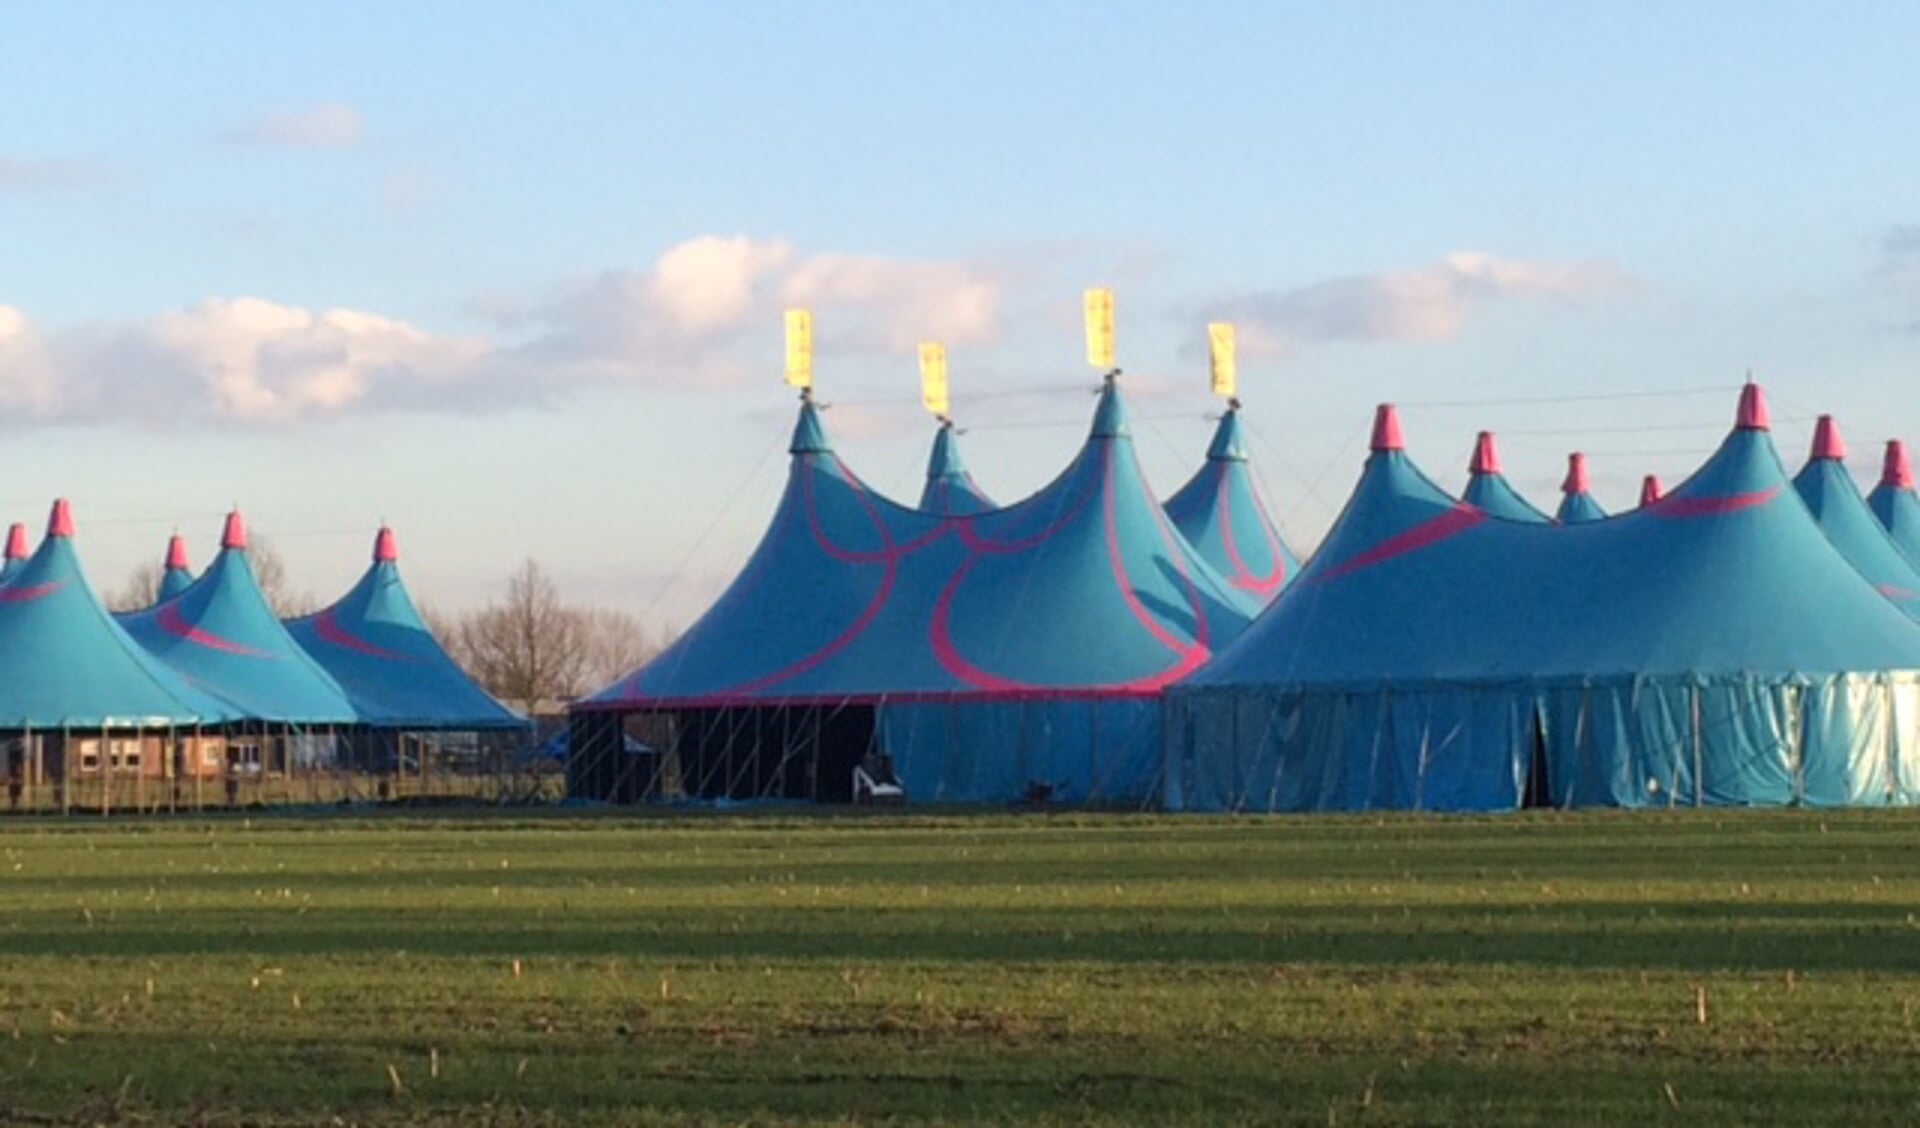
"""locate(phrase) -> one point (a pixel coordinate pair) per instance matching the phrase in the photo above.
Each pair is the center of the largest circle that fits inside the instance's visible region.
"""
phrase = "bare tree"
(529, 647)
(617, 644)
(270, 573)
(140, 590)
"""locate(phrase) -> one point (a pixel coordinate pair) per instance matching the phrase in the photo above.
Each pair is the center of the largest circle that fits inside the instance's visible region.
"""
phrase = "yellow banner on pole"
(1220, 358)
(933, 377)
(800, 348)
(1100, 328)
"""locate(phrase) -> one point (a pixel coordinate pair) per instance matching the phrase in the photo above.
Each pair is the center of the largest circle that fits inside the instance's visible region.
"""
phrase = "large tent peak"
(177, 552)
(1577, 481)
(17, 542)
(1486, 456)
(1110, 418)
(1753, 408)
(944, 461)
(1896, 472)
(809, 437)
(1227, 445)
(235, 534)
(1650, 490)
(60, 521)
(1386, 429)
(1827, 442)
(385, 549)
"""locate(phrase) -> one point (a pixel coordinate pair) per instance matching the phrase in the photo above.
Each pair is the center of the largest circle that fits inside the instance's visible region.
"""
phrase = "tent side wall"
(1102, 751)
(1843, 740)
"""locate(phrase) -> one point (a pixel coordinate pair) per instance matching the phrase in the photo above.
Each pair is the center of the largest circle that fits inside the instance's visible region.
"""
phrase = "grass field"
(1698, 968)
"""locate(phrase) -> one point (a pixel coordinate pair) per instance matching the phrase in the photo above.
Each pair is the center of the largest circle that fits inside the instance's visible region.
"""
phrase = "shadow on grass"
(1757, 935)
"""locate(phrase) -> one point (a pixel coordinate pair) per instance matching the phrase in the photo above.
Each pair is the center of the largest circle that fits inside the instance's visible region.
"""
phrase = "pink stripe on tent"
(1431, 531)
(330, 630)
(169, 619)
(1674, 506)
(28, 594)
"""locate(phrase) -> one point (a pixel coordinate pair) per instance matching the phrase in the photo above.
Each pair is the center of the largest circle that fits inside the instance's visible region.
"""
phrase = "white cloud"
(235, 359)
(705, 313)
(1428, 303)
(325, 125)
(28, 381)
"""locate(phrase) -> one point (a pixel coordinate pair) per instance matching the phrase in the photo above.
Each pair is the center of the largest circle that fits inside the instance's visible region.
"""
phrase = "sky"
(510, 276)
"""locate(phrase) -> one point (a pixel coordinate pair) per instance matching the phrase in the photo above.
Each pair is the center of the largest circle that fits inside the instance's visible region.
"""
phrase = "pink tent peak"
(1386, 429)
(1753, 408)
(1486, 456)
(177, 553)
(60, 522)
(17, 542)
(1897, 472)
(1650, 489)
(385, 549)
(235, 534)
(1826, 440)
(1576, 482)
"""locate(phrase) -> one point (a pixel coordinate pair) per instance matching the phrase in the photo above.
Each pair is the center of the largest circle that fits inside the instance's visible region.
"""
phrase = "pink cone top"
(177, 554)
(1826, 440)
(1486, 456)
(1386, 429)
(1650, 489)
(235, 534)
(1753, 409)
(17, 542)
(385, 549)
(1576, 474)
(60, 521)
(1897, 472)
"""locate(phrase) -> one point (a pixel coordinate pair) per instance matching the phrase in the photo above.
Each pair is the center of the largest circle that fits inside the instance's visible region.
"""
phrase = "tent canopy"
(1576, 502)
(375, 644)
(177, 575)
(221, 634)
(1222, 513)
(65, 662)
(950, 491)
(1835, 502)
(1083, 588)
(1724, 577)
(1488, 489)
(1894, 503)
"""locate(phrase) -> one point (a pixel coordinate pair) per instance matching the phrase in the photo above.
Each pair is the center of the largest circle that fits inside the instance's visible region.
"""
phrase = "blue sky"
(510, 278)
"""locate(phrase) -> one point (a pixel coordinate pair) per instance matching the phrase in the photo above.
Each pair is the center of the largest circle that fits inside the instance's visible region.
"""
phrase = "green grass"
(1067, 970)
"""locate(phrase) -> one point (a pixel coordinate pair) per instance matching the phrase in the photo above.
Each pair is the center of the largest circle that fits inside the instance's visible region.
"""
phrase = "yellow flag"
(1220, 353)
(1100, 328)
(800, 348)
(933, 377)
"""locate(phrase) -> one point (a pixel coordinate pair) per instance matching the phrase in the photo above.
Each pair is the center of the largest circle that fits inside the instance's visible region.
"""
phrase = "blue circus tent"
(980, 653)
(1712, 648)
(1222, 514)
(177, 575)
(1576, 501)
(1894, 503)
(1488, 489)
(221, 634)
(376, 646)
(950, 490)
(1835, 503)
(65, 663)
(16, 557)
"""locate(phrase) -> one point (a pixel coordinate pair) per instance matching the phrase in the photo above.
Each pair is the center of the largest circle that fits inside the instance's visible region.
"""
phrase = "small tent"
(1223, 514)
(1488, 489)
